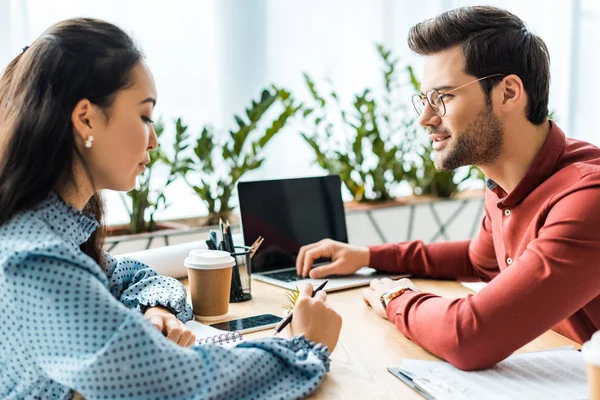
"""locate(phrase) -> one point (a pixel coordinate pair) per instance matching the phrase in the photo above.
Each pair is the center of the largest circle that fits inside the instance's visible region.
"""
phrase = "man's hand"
(170, 326)
(378, 287)
(345, 259)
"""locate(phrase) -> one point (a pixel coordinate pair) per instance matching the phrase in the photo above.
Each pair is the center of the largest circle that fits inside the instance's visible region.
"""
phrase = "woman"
(75, 118)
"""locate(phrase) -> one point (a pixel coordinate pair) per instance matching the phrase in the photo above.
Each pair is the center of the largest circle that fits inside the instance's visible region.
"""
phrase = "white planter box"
(429, 220)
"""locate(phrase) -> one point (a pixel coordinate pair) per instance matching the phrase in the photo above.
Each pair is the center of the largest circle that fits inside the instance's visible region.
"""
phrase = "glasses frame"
(422, 98)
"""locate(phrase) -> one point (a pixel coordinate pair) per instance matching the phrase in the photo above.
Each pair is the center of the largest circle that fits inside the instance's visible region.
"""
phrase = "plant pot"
(213, 218)
(123, 230)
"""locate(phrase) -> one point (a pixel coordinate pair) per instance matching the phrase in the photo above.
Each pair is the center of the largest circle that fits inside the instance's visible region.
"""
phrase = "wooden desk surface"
(368, 344)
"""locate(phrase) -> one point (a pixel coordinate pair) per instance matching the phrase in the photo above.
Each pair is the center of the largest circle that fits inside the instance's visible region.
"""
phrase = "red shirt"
(539, 248)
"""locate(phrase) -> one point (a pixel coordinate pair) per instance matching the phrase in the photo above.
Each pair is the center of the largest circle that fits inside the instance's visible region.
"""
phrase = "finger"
(157, 321)
(191, 341)
(321, 296)
(306, 290)
(300, 258)
(374, 284)
(372, 298)
(184, 340)
(386, 280)
(326, 270)
(173, 330)
(366, 295)
(313, 254)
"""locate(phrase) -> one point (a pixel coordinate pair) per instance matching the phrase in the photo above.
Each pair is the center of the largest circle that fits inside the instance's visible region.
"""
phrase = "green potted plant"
(367, 145)
(386, 145)
(148, 196)
(218, 164)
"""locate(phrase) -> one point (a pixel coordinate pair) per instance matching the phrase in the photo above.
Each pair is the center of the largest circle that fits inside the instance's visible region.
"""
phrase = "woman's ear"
(83, 118)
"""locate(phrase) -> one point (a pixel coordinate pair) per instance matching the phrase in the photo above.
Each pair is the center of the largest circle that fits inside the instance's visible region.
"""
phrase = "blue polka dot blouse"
(68, 325)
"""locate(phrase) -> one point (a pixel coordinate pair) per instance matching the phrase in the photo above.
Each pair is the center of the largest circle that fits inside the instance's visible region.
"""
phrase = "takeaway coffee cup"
(209, 275)
(591, 354)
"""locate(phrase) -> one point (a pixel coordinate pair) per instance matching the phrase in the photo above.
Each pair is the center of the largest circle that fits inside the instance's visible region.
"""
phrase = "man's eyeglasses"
(435, 99)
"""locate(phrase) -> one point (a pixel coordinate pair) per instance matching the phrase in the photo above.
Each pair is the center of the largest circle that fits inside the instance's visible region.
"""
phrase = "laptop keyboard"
(285, 276)
(290, 275)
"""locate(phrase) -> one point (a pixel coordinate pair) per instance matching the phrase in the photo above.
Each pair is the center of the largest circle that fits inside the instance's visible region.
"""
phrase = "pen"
(288, 318)
(422, 389)
(229, 237)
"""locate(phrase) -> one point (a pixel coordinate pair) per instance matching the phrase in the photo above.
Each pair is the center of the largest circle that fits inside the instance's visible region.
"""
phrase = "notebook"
(207, 334)
(551, 374)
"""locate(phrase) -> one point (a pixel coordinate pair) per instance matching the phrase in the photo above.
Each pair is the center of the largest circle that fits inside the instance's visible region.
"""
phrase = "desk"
(368, 344)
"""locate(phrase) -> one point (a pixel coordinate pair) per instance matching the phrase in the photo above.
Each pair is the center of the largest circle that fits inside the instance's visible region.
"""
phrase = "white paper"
(167, 261)
(540, 375)
(202, 331)
(474, 286)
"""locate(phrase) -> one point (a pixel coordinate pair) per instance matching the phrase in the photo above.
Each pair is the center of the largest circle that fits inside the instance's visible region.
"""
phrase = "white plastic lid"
(209, 259)
(591, 350)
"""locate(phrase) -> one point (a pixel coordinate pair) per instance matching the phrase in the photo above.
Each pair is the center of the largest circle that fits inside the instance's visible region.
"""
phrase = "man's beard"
(479, 144)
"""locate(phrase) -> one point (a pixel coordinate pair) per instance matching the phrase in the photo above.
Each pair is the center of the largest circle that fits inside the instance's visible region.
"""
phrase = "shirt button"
(507, 212)
(509, 260)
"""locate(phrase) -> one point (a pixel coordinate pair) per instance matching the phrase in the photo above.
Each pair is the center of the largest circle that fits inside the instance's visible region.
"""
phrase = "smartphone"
(250, 324)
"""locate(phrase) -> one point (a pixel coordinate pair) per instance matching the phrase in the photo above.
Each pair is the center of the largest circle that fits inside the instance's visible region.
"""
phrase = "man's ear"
(84, 118)
(513, 92)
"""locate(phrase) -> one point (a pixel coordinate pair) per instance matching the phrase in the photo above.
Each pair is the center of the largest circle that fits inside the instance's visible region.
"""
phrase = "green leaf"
(416, 84)
(313, 90)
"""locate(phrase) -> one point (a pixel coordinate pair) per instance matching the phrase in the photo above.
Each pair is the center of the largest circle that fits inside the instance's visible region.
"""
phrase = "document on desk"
(474, 286)
(553, 374)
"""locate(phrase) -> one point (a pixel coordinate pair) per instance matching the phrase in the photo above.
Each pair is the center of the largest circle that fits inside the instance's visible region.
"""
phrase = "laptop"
(291, 213)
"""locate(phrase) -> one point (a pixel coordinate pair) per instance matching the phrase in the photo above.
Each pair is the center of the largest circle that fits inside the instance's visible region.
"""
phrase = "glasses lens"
(417, 103)
(435, 100)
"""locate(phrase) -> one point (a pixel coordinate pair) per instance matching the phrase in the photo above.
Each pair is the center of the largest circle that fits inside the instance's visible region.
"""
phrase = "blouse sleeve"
(81, 336)
(138, 286)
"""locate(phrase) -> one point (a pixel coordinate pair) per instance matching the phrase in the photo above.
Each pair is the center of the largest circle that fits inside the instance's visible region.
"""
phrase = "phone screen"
(250, 324)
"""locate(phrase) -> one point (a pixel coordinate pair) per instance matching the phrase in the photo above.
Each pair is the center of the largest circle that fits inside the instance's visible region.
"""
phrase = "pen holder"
(240, 275)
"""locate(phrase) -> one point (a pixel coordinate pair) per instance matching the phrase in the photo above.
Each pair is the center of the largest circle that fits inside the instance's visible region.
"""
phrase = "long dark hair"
(493, 41)
(73, 60)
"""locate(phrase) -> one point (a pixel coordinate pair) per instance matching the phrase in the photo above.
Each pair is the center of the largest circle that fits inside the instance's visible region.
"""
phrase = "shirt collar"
(542, 167)
(66, 220)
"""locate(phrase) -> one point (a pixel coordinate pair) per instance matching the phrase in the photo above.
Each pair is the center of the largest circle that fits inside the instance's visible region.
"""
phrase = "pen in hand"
(288, 318)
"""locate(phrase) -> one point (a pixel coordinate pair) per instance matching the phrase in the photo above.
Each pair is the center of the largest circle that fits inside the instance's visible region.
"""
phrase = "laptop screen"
(288, 214)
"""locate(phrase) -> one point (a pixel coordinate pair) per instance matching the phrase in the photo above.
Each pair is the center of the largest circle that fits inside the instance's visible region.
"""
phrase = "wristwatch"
(391, 294)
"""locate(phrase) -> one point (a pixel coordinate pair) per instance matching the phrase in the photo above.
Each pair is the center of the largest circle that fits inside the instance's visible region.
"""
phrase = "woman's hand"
(170, 326)
(315, 319)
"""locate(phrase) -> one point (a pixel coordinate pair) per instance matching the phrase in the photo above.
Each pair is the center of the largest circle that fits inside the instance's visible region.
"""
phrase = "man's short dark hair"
(493, 41)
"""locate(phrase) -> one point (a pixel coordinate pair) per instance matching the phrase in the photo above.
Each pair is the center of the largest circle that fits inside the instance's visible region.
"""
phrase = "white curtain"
(209, 58)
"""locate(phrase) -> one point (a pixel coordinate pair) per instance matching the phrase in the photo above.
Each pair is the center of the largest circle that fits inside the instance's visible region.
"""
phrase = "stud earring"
(89, 141)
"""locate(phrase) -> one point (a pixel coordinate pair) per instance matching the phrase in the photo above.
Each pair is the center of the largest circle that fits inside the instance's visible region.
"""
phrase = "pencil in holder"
(240, 276)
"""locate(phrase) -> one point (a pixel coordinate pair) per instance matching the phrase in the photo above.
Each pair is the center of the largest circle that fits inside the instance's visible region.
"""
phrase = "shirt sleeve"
(554, 277)
(138, 286)
(80, 336)
(468, 260)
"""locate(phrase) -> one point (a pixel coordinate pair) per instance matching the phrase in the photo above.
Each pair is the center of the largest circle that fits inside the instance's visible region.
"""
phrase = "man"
(484, 102)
